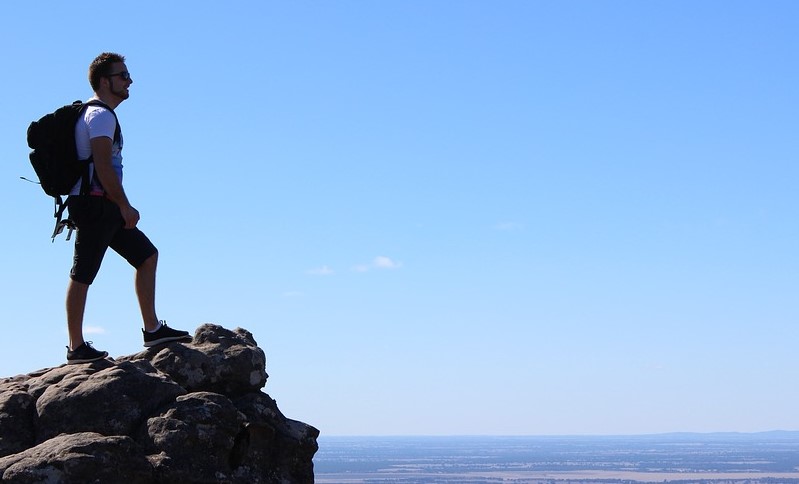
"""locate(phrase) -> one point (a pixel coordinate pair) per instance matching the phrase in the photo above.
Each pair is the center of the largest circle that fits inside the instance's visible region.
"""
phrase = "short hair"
(101, 67)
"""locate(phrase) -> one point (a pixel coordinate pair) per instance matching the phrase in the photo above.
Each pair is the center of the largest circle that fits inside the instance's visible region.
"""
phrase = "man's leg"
(137, 249)
(78, 351)
(91, 242)
(76, 305)
(145, 291)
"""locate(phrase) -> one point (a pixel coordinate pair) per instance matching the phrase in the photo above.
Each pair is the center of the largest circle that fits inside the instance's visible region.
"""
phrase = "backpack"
(55, 156)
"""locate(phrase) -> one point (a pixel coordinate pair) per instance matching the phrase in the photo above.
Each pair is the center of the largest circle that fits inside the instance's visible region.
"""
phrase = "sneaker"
(164, 335)
(84, 354)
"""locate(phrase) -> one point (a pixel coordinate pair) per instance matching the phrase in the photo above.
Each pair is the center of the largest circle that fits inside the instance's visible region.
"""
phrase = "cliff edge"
(179, 412)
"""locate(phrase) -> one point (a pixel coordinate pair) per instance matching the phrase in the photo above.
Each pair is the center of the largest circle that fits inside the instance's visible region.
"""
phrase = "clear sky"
(440, 217)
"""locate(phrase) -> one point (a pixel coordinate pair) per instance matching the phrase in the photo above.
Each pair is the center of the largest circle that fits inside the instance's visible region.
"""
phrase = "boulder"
(16, 419)
(218, 360)
(180, 412)
(111, 401)
(79, 458)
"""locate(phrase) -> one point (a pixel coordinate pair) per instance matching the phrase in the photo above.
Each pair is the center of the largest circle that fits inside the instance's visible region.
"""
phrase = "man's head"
(108, 73)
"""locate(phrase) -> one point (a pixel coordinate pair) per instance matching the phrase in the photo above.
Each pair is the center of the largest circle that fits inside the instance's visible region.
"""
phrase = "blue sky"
(441, 217)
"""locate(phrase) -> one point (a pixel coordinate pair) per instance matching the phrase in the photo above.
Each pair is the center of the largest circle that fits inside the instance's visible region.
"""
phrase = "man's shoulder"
(99, 121)
(99, 114)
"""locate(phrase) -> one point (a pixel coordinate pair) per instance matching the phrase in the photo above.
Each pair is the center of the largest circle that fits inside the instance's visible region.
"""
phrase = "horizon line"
(654, 434)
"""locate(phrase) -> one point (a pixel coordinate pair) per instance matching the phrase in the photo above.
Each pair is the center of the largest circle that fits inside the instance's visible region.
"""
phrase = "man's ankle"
(74, 346)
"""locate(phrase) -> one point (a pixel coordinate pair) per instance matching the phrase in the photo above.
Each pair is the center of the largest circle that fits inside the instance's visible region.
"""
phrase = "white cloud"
(379, 262)
(383, 262)
(93, 330)
(321, 271)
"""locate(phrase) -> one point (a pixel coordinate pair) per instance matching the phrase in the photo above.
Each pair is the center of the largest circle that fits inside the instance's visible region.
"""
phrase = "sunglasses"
(124, 75)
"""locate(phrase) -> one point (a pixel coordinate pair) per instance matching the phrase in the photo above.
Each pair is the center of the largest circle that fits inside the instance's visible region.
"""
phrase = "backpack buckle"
(61, 225)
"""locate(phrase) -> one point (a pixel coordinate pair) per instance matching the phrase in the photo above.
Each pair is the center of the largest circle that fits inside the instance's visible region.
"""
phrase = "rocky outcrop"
(177, 413)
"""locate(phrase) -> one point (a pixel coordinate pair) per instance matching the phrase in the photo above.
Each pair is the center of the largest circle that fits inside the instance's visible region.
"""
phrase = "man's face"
(119, 80)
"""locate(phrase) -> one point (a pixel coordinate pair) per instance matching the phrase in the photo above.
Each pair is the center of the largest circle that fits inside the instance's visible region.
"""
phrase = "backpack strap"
(86, 181)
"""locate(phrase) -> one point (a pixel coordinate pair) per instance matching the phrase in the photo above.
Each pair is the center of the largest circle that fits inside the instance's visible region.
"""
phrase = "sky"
(567, 217)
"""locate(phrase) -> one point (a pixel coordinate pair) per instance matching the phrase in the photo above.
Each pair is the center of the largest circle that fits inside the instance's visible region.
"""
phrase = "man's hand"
(130, 215)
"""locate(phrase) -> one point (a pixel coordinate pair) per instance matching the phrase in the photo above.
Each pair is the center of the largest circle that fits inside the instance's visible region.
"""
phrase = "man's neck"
(108, 99)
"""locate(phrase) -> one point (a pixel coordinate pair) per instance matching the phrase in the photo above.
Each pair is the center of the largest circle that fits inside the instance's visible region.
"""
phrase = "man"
(104, 216)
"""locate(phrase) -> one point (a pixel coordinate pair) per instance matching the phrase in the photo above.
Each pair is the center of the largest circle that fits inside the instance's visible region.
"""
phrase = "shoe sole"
(148, 344)
(87, 360)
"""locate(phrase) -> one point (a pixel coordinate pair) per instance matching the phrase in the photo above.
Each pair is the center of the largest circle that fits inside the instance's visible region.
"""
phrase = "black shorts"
(100, 226)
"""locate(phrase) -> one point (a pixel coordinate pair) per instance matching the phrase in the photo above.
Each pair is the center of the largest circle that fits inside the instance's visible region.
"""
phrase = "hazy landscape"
(770, 457)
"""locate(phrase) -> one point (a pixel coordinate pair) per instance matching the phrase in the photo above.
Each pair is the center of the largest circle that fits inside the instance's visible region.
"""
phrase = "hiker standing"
(103, 215)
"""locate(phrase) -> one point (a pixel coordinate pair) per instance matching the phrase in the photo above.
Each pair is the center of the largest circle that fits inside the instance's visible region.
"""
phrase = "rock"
(273, 440)
(16, 419)
(180, 412)
(218, 360)
(112, 401)
(79, 458)
(197, 433)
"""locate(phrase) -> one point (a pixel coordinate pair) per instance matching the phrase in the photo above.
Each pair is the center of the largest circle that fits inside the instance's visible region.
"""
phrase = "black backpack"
(55, 156)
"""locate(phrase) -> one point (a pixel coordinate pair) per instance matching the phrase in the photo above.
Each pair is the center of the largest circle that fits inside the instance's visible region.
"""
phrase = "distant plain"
(761, 458)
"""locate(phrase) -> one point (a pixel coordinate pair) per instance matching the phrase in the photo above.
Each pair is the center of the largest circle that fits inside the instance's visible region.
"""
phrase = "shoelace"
(88, 344)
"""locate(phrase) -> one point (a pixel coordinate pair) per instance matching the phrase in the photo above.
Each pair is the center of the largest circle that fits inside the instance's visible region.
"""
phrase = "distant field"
(526, 477)
(592, 477)
(767, 458)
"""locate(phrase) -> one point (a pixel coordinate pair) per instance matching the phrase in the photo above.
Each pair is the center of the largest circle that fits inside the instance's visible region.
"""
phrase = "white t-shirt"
(97, 121)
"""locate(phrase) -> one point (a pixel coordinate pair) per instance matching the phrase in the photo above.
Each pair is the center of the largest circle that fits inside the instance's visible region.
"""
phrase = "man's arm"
(101, 154)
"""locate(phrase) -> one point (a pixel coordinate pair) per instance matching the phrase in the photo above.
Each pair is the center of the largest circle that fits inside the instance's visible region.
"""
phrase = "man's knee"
(150, 262)
(77, 287)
